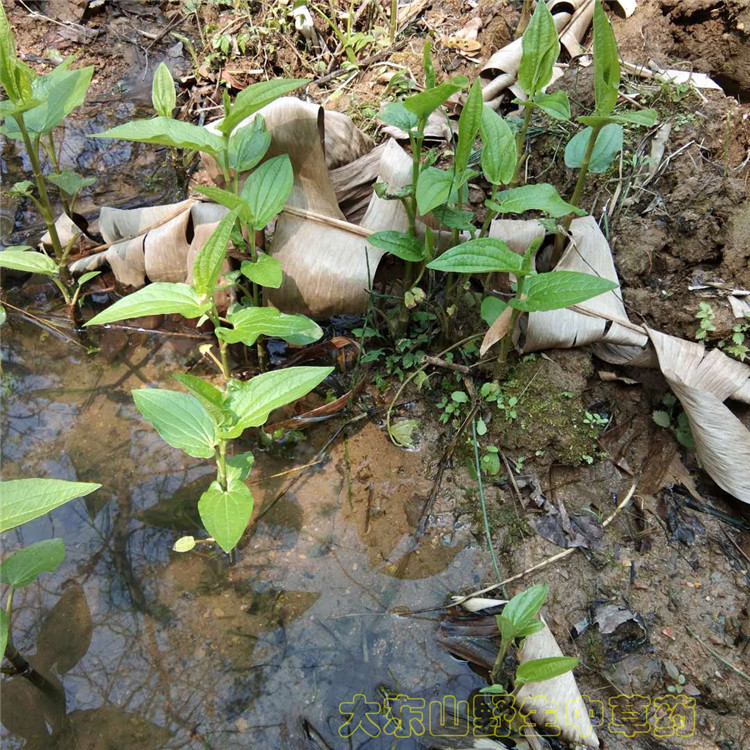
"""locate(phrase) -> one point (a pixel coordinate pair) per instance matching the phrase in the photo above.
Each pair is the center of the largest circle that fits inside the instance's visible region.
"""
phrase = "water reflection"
(155, 649)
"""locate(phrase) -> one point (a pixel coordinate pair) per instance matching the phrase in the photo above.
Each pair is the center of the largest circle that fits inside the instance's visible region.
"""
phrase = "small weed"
(705, 316)
(675, 420)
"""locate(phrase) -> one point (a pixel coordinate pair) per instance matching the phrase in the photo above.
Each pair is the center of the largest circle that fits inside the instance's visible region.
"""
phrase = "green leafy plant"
(518, 621)
(35, 107)
(24, 500)
(735, 344)
(705, 317)
(674, 419)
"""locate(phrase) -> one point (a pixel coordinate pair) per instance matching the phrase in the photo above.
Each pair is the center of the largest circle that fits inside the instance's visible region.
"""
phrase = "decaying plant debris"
(334, 261)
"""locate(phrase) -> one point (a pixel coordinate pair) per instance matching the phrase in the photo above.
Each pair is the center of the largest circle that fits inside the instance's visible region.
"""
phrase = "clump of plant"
(705, 317)
(517, 622)
(735, 344)
(443, 192)
(35, 107)
(674, 419)
(23, 500)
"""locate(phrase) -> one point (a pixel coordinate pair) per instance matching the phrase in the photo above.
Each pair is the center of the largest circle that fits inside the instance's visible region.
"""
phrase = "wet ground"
(157, 649)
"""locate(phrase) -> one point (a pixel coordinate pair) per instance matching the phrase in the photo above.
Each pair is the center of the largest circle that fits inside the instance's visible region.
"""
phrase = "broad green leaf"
(251, 322)
(209, 395)
(468, 126)
(28, 260)
(70, 182)
(608, 145)
(662, 418)
(424, 104)
(165, 131)
(264, 271)
(158, 298)
(226, 514)
(558, 289)
(23, 566)
(541, 48)
(555, 105)
(179, 418)
(398, 115)
(26, 499)
(539, 670)
(400, 244)
(454, 218)
(606, 63)
(433, 189)
(226, 198)
(4, 628)
(255, 97)
(163, 95)
(267, 189)
(61, 92)
(540, 197)
(211, 257)
(491, 309)
(9, 109)
(8, 62)
(253, 400)
(524, 606)
(249, 145)
(483, 255)
(499, 153)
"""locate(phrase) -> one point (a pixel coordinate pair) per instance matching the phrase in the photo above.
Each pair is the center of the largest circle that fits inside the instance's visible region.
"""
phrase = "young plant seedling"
(594, 148)
(35, 107)
(518, 621)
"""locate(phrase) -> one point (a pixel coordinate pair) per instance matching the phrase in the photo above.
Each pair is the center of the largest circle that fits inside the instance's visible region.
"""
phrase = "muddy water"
(156, 649)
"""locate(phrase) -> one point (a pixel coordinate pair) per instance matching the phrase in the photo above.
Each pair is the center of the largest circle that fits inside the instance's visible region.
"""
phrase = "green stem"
(221, 463)
(482, 500)
(577, 193)
(44, 201)
(521, 144)
(394, 20)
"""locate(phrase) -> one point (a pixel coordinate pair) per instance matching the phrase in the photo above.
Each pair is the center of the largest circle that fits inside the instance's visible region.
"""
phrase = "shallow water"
(156, 649)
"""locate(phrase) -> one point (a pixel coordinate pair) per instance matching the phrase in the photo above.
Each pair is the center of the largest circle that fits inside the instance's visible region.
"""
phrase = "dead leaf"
(497, 331)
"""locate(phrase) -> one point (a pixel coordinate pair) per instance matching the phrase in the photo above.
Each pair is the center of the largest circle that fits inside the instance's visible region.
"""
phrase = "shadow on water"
(155, 649)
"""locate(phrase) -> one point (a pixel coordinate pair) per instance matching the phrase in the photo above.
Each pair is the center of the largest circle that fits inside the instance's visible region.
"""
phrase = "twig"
(437, 362)
(559, 556)
(713, 653)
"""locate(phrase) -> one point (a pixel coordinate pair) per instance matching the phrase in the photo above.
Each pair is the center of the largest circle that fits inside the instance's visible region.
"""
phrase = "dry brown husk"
(702, 381)
(156, 243)
(572, 20)
(555, 698)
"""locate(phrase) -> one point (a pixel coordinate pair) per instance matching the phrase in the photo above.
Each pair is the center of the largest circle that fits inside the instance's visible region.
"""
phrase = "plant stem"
(394, 20)
(577, 192)
(44, 202)
(521, 144)
(482, 500)
(221, 463)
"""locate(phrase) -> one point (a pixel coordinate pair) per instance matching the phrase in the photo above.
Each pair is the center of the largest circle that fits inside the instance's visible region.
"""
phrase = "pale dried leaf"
(545, 700)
